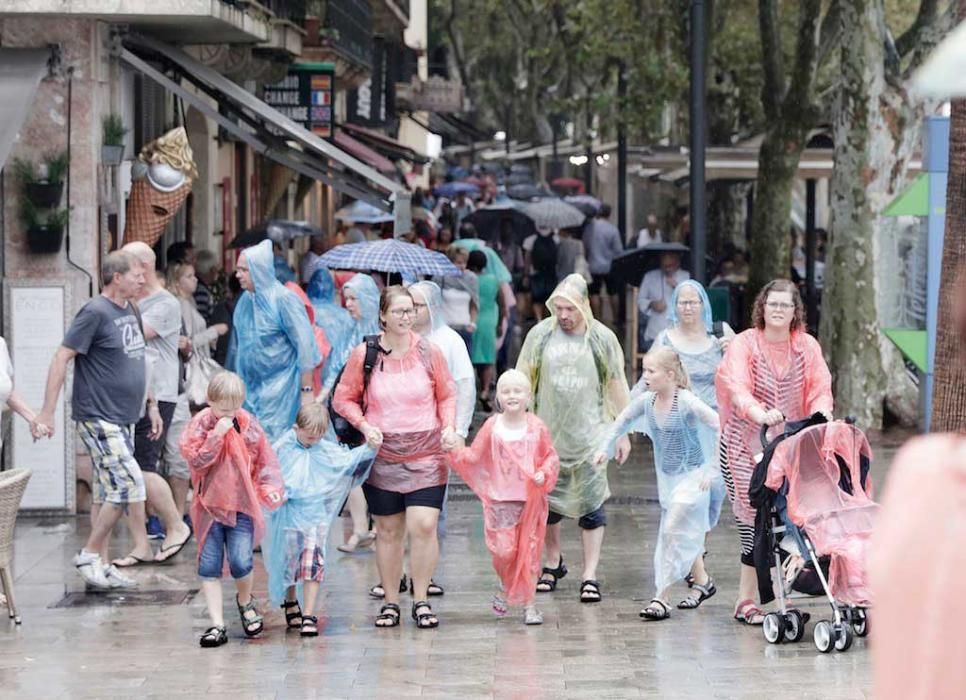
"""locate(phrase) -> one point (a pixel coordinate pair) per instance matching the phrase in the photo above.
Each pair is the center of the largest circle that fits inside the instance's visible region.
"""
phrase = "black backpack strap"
(137, 315)
(718, 329)
(369, 364)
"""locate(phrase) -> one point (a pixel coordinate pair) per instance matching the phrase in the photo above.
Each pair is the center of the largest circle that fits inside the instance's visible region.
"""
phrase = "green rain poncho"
(579, 389)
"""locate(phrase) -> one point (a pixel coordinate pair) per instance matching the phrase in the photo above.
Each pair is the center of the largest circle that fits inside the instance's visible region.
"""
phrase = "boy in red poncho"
(234, 473)
(512, 467)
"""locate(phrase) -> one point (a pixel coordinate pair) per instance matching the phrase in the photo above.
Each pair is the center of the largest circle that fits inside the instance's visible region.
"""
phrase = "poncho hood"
(573, 289)
(434, 303)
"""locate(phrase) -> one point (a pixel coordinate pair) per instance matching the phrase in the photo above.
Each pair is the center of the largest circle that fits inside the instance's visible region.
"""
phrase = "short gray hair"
(117, 262)
(205, 261)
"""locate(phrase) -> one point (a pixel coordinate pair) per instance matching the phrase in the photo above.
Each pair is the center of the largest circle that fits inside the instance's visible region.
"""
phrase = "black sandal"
(291, 617)
(388, 613)
(424, 621)
(704, 592)
(253, 626)
(433, 589)
(310, 626)
(549, 585)
(654, 613)
(379, 592)
(214, 637)
(590, 591)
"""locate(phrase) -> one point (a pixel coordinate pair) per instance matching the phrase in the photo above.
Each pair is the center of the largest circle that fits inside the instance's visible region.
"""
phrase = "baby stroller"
(812, 485)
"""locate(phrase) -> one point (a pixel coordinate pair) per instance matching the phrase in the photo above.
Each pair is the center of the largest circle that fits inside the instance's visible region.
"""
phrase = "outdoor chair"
(13, 483)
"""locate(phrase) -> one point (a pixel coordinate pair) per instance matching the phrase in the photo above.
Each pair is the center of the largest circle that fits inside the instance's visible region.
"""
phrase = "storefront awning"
(386, 145)
(363, 152)
(265, 129)
(21, 71)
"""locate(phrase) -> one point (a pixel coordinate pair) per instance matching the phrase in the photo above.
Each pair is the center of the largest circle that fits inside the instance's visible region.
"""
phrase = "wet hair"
(173, 275)
(117, 262)
(779, 285)
(669, 361)
(388, 296)
(313, 417)
(226, 386)
(476, 261)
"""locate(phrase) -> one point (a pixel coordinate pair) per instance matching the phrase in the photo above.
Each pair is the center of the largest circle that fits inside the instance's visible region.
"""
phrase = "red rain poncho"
(791, 376)
(233, 473)
(320, 340)
(500, 472)
(411, 399)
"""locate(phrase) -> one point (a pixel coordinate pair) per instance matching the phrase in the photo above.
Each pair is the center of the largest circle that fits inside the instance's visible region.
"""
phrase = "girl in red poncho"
(235, 474)
(512, 466)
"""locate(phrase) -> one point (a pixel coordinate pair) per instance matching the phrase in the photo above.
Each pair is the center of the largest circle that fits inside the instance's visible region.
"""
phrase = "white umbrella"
(554, 213)
(360, 212)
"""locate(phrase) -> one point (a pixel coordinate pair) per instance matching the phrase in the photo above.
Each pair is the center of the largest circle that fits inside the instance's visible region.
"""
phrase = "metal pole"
(811, 249)
(621, 154)
(697, 119)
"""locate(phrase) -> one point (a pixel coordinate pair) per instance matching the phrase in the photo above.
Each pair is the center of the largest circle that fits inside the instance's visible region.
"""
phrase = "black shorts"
(590, 521)
(147, 453)
(598, 281)
(382, 502)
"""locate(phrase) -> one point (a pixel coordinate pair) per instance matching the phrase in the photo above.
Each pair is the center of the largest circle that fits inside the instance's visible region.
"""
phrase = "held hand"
(220, 328)
(774, 417)
(539, 478)
(275, 497)
(623, 450)
(600, 458)
(184, 344)
(374, 440)
(706, 482)
(42, 426)
(449, 439)
(371, 433)
(323, 396)
(223, 426)
(724, 342)
(157, 424)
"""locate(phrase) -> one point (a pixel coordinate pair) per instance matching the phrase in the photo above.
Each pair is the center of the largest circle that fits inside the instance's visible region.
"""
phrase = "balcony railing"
(291, 10)
(347, 26)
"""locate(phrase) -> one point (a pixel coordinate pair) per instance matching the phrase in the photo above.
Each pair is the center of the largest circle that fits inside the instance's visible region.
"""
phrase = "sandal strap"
(590, 585)
(706, 588)
(389, 607)
(310, 619)
(660, 602)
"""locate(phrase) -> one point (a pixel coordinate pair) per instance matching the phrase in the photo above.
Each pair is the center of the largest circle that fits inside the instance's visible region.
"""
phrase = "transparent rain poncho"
(317, 482)
(272, 344)
(500, 471)
(454, 350)
(330, 316)
(321, 341)
(233, 473)
(685, 455)
(364, 288)
(411, 399)
(579, 387)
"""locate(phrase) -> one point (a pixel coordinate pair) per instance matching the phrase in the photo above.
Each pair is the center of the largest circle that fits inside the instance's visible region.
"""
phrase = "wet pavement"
(144, 644)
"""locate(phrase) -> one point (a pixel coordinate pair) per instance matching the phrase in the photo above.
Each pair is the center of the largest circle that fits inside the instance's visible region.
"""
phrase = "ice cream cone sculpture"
(162, 177)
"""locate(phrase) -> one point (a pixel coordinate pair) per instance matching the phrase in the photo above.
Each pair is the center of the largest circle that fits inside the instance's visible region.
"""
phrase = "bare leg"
(179, 492)
(595, 306)
(161, 500)
(423, 547)
(551, 550)
(486, 380)
(592, 540)
(310, 590)
(358, 512)
(245, 585)
(389, 553)
(211, 587)
(747, 584)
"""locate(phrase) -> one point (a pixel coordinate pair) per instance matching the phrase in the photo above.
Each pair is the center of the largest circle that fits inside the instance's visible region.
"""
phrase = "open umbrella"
(277, 230)
(630, 267)
(527, 191)
(587, 204)
(554, 213)
(488, 221)
(451, 189)
(390, 255)
(360, 212)
(567, 184)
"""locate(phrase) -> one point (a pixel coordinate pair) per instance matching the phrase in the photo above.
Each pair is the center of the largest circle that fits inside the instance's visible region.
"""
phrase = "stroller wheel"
(843, 637)
(794, 626)
(860, 622)
(822, 635)
(773, 627)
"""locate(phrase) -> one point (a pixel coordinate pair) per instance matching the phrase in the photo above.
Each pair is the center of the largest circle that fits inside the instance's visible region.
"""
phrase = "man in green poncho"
(576, 367)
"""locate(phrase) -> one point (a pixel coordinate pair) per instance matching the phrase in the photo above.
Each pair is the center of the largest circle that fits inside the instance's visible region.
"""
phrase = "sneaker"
(90, 567)
(155, 528)
(118, 580)
(532, 616)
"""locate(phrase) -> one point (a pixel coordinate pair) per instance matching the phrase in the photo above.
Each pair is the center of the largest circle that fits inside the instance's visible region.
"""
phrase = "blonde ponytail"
(669, 361)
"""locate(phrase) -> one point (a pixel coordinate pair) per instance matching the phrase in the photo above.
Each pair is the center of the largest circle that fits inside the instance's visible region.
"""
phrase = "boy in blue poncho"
(318, 476)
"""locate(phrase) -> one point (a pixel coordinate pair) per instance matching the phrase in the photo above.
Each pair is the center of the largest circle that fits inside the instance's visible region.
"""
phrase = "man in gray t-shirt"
(107, 346)
(602, 243)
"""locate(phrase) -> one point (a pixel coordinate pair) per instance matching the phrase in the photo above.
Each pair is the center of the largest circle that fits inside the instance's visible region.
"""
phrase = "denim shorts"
(236, 542)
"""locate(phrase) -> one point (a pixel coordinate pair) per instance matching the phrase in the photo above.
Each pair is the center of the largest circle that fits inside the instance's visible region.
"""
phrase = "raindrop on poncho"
(233, 473)
(364, 288)
(272, 344)
(685, 454)
(500, 472)
(579, 388)
(317, 482)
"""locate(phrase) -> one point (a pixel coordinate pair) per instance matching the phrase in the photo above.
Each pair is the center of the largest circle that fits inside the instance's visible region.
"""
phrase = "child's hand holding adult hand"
(600, 458)
(539, 478)
(223, 425)
(374, 439)
(275, 497)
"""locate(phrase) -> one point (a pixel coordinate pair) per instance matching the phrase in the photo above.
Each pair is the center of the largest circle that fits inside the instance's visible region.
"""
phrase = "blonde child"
(234, 474)
(684, 432)
(318, 476)
(512, 467)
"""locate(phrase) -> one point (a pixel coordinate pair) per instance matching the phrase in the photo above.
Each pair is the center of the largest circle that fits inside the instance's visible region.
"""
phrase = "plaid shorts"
(303, 558)
(117, 476)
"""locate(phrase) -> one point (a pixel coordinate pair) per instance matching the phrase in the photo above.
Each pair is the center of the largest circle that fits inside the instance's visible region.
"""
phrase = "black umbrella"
(630, 267)
(276, 229)
(489, 221)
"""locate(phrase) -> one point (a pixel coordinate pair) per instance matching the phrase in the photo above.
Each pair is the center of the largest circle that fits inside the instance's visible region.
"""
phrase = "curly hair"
(779, 285)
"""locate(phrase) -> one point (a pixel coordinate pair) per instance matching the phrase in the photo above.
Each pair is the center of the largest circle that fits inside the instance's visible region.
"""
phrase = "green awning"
(911, 343)
(914, 200)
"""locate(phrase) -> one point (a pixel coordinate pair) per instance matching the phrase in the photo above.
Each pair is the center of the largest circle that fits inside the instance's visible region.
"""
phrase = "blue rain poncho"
(330, 316)
(272, 344)
(685, 455)
(317, 482)
(364, 288)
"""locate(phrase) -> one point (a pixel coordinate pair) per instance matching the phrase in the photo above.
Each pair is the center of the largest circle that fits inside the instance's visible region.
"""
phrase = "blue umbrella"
(451, 189)
(390, 255)
(360, 212)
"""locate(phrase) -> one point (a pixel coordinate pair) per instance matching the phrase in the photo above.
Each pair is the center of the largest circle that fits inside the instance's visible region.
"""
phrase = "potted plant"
(45, 227)
(43, 186)
(112, 139)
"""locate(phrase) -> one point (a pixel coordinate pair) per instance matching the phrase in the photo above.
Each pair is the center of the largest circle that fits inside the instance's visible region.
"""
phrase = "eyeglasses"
(779, 305)
(687, 303)
(402, 313)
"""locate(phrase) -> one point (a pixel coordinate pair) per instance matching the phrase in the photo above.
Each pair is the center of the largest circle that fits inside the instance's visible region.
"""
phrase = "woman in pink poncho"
(512, 467)
(770, 373)
(409, 401)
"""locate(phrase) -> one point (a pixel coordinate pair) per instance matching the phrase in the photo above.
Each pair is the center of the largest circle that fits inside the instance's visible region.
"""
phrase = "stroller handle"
(849, 420)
